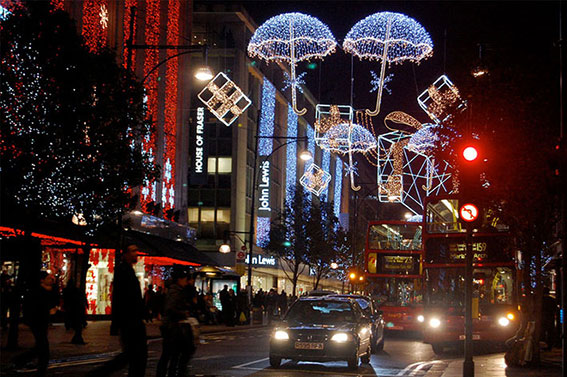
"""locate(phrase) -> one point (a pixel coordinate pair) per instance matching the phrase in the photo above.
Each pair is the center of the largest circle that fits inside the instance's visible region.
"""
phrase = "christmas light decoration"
(291, 155)
(441, 100)
(328, 116)
(297, 82)
(57, 4)
(128, 6)
(224, 99)
(326, 166)
(95, 24)
(375, 82)
(351, 169)
(389, 38)
(262, 230)
(338, 186)
(315, 179)
(292, 37)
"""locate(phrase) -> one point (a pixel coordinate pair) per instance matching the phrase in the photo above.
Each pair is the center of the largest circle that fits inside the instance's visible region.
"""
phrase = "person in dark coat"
(74, 305)
(128, 314)
(224, 300)
(282, 303)
(39, 304)
(178, 343)
(149, 298)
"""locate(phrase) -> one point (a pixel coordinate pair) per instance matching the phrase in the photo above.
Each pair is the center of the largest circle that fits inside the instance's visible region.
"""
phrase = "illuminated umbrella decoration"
(292, 37)
(346, 138)
(389, 38)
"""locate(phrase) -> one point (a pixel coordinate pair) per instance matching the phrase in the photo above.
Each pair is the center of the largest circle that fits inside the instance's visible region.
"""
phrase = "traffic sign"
(468, 212)
(240, 256)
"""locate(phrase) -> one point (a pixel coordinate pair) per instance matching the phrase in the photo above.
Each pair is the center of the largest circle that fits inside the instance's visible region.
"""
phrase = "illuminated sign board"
(199, 150)
(393, 264)
(262, 261)
(264, 209)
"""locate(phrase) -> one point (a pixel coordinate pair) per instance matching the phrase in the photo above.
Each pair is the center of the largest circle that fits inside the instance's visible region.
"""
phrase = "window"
(224, 165)
(207, 215)
(193, 215)
(223, 215)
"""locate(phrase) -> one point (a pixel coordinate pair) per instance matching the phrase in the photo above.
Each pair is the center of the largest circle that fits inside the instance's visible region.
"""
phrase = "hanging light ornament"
(389, 38)
(292, 37)
(315, 179)
(441, 100)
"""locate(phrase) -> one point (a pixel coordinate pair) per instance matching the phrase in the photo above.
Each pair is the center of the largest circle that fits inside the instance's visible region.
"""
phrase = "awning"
(163, 247)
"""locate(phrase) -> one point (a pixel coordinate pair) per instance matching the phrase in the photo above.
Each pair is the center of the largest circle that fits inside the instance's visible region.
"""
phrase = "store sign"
(262, 261)
(199, 150)
(264, 209)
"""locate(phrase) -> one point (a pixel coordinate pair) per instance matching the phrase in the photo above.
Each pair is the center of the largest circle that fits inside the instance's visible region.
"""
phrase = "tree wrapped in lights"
(292, 37)
(71, 123)
(388, 38)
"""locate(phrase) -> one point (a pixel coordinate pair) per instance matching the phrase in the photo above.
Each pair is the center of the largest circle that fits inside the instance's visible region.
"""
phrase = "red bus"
(495, 290)
(394, 272)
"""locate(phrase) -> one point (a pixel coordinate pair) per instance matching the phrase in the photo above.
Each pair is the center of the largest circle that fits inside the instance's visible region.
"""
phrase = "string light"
(389, 38)
(128, 6)
(441, 100)
(295, 83)
(347, 138)
(338, 187)
(224, 99)
(375, 82)
(326, 166)
(291, 155)
(315, 179)
(266, 128)
(94, 27)
(351, 169)
(292, 37)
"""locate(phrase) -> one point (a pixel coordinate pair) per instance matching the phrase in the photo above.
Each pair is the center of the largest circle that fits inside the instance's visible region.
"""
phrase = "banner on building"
(198, 148)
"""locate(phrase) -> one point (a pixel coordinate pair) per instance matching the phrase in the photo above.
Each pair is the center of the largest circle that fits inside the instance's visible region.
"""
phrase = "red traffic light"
(470, 153)
(468, 212)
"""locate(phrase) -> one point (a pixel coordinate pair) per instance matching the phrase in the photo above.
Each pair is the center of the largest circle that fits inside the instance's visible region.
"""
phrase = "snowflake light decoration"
(351, 169)
(291, 83)
(441, 100)
(292, 37)
(375, 82)
(315, 179)
(389, 38)
(224, 99)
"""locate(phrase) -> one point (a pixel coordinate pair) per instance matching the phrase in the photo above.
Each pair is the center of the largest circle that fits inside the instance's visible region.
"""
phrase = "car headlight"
(281, 335)
(340, 337)
(434, 322)
(503, 321)
(510, 316)
(420, 318)
(364, 330)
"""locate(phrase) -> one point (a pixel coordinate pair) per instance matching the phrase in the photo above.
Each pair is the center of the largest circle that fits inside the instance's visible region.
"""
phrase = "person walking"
(178, 342)
(224, 300)
(39, 304)
(149, 298)
(282, 303)
(74, 305)
(127, 318)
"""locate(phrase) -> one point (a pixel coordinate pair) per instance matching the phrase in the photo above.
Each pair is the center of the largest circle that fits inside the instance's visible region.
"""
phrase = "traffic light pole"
(468, 364)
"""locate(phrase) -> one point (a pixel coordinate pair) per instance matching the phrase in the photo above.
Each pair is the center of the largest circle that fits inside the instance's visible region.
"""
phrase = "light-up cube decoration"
(224, 99)
(328, 116)
(406, 176)
(441, 101)
(315, 179)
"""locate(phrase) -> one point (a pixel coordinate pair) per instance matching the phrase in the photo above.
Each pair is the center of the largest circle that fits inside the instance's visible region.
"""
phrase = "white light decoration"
(103, 14)
(315, 179)
(224, 99)
(389, 38)
(441, 100)
(292, 37)
(327, 116)
(338, 186)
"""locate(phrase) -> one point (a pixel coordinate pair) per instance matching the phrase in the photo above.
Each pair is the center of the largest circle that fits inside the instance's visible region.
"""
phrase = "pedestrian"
(149, 297)
(282, 303)
(6, 297)
(224, 298)
(128, 314)
(39, 304)
(159, 302)
(271, 303)
(231, 308)
(74, 305)
(178, 341)
(549, 311)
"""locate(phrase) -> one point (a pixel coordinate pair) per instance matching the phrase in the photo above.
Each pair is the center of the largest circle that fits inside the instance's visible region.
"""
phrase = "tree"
(72, 123)
(289, 239)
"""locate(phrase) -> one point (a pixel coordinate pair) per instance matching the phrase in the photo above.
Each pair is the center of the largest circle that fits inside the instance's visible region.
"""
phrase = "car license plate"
(308, 346)
(475, 337)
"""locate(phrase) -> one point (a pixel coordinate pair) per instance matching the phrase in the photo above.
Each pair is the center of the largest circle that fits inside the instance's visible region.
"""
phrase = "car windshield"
(321, 312)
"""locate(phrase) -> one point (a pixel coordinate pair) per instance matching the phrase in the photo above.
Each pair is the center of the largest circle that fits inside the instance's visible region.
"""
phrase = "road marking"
(406, 369)
(424, 364)
(206, 357)
(250, 363)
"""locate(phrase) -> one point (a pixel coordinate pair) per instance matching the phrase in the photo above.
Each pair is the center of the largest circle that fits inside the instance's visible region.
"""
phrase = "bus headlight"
(340, 337)
(281, 335)
(434, 322)
(503, 321)
(420, 318)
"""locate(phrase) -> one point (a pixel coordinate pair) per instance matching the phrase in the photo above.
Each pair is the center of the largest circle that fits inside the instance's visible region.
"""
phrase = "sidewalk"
(96, 335)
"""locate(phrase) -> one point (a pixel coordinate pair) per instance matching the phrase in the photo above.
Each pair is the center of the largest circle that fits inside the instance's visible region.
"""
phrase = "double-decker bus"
(495, 290)
(394, 273)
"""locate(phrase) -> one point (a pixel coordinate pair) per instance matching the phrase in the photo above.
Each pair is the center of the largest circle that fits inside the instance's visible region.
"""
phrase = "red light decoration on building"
(57, 5)
(128, 5)
(170, 124)
(95, 24)
(149, 145)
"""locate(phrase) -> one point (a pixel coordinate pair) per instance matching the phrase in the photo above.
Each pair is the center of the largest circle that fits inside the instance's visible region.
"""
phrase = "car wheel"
(437, 348)
(275, 362)
(380, 345)
(366, 358)
(353, 362)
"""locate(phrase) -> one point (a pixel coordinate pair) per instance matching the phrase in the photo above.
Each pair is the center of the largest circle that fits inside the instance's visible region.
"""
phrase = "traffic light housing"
(469, 160)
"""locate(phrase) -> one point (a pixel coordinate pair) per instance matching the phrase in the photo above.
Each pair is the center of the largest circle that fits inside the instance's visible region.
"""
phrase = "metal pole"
(468, 364)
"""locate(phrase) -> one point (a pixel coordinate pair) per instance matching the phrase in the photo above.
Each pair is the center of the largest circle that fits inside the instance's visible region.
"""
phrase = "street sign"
(468, 212)
(240, 256)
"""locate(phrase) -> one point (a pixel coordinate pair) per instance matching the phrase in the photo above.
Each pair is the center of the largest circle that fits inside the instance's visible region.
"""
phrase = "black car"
(322, 329)
(370, 308)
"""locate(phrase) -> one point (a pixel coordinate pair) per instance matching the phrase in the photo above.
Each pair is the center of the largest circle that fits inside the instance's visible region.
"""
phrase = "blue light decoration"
(338, 186)
(292, 37)
(310, 133)
(326, 166)
(265, 148)
(351, 169)
(289, 82)
(291, 155)
(388, 38)
(375, 82)
(4, 13)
